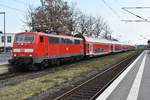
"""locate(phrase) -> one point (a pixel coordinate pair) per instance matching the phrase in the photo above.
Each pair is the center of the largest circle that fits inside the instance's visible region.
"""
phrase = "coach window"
(9, 39)
(2, 39)
(41, 39)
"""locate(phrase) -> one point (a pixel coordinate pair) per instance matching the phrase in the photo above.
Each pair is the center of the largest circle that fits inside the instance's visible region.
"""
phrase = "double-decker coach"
(95, 46)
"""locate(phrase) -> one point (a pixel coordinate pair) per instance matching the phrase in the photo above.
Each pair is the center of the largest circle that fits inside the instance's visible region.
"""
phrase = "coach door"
(90, 48)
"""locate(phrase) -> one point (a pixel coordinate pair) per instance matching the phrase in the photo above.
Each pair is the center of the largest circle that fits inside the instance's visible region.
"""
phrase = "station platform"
(133, 83)
(4, 57)
(4, 63)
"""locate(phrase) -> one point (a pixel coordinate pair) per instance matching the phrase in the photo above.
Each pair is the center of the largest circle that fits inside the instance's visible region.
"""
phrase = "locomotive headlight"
(30, 55)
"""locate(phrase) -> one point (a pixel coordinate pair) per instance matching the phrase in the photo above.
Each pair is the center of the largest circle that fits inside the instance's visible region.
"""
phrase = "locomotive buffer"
(133, 83)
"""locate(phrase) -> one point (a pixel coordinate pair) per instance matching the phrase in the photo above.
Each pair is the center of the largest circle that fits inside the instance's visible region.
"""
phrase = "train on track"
(38, 49)
(148, 44)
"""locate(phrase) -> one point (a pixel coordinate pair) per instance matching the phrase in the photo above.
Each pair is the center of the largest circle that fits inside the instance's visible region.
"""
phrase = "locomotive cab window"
(29, 38)
(24, 38)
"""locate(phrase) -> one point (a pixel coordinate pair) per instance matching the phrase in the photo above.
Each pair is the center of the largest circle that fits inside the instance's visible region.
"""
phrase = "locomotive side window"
(77, 41)
(68, 41)
(53, 40)
(62, 40)
(41, 39)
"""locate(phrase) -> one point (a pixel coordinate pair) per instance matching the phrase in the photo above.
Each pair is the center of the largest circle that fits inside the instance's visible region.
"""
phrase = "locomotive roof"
(53, 35)
(63, 36)
(89, 39)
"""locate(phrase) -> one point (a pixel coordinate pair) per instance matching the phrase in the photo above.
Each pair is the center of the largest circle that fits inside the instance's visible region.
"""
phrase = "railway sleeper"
(88, 90)
(79, 97)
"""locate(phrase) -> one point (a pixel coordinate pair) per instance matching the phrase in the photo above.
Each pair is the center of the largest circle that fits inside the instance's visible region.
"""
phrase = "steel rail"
(79, 87)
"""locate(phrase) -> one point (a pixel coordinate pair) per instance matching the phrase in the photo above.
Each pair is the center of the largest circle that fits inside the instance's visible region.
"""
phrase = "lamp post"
(4, 32)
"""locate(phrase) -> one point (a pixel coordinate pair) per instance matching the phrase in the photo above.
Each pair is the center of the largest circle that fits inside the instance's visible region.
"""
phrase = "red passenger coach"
(117, 46)
(32, 48)
(96, 47)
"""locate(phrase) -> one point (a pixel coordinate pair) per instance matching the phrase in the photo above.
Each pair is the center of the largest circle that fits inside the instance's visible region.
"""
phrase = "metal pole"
(4, 34)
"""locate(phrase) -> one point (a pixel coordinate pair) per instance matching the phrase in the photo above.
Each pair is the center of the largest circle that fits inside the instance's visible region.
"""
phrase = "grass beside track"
(34, 86)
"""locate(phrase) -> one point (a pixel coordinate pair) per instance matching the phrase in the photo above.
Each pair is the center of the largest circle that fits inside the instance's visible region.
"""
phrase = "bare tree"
(29, 18)
(84, 24)
(90, 25)
(58, 16)
(100, 24)
(107, 31)
(81, 23)
(53, 15)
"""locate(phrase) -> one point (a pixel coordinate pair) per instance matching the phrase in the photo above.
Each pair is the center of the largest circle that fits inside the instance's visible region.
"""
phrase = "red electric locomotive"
(37, 48)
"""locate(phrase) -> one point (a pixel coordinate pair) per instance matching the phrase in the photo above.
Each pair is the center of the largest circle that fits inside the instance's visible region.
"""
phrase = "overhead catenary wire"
(12, 8)
(125, 9)
(136, 7)
(107, 5)
(133, 20)
(112, 10)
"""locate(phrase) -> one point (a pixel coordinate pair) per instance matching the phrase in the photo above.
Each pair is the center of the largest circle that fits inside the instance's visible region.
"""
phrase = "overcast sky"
(136, 33)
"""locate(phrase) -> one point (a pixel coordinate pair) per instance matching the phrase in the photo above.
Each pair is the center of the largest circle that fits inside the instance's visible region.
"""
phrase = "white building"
(9, 41)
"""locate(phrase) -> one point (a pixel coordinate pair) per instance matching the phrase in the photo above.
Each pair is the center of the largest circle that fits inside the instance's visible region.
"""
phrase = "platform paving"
(133, 83)
(4, 57)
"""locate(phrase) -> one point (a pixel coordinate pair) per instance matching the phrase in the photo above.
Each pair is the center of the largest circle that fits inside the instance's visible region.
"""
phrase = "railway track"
(92, 88)
(13, 78)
